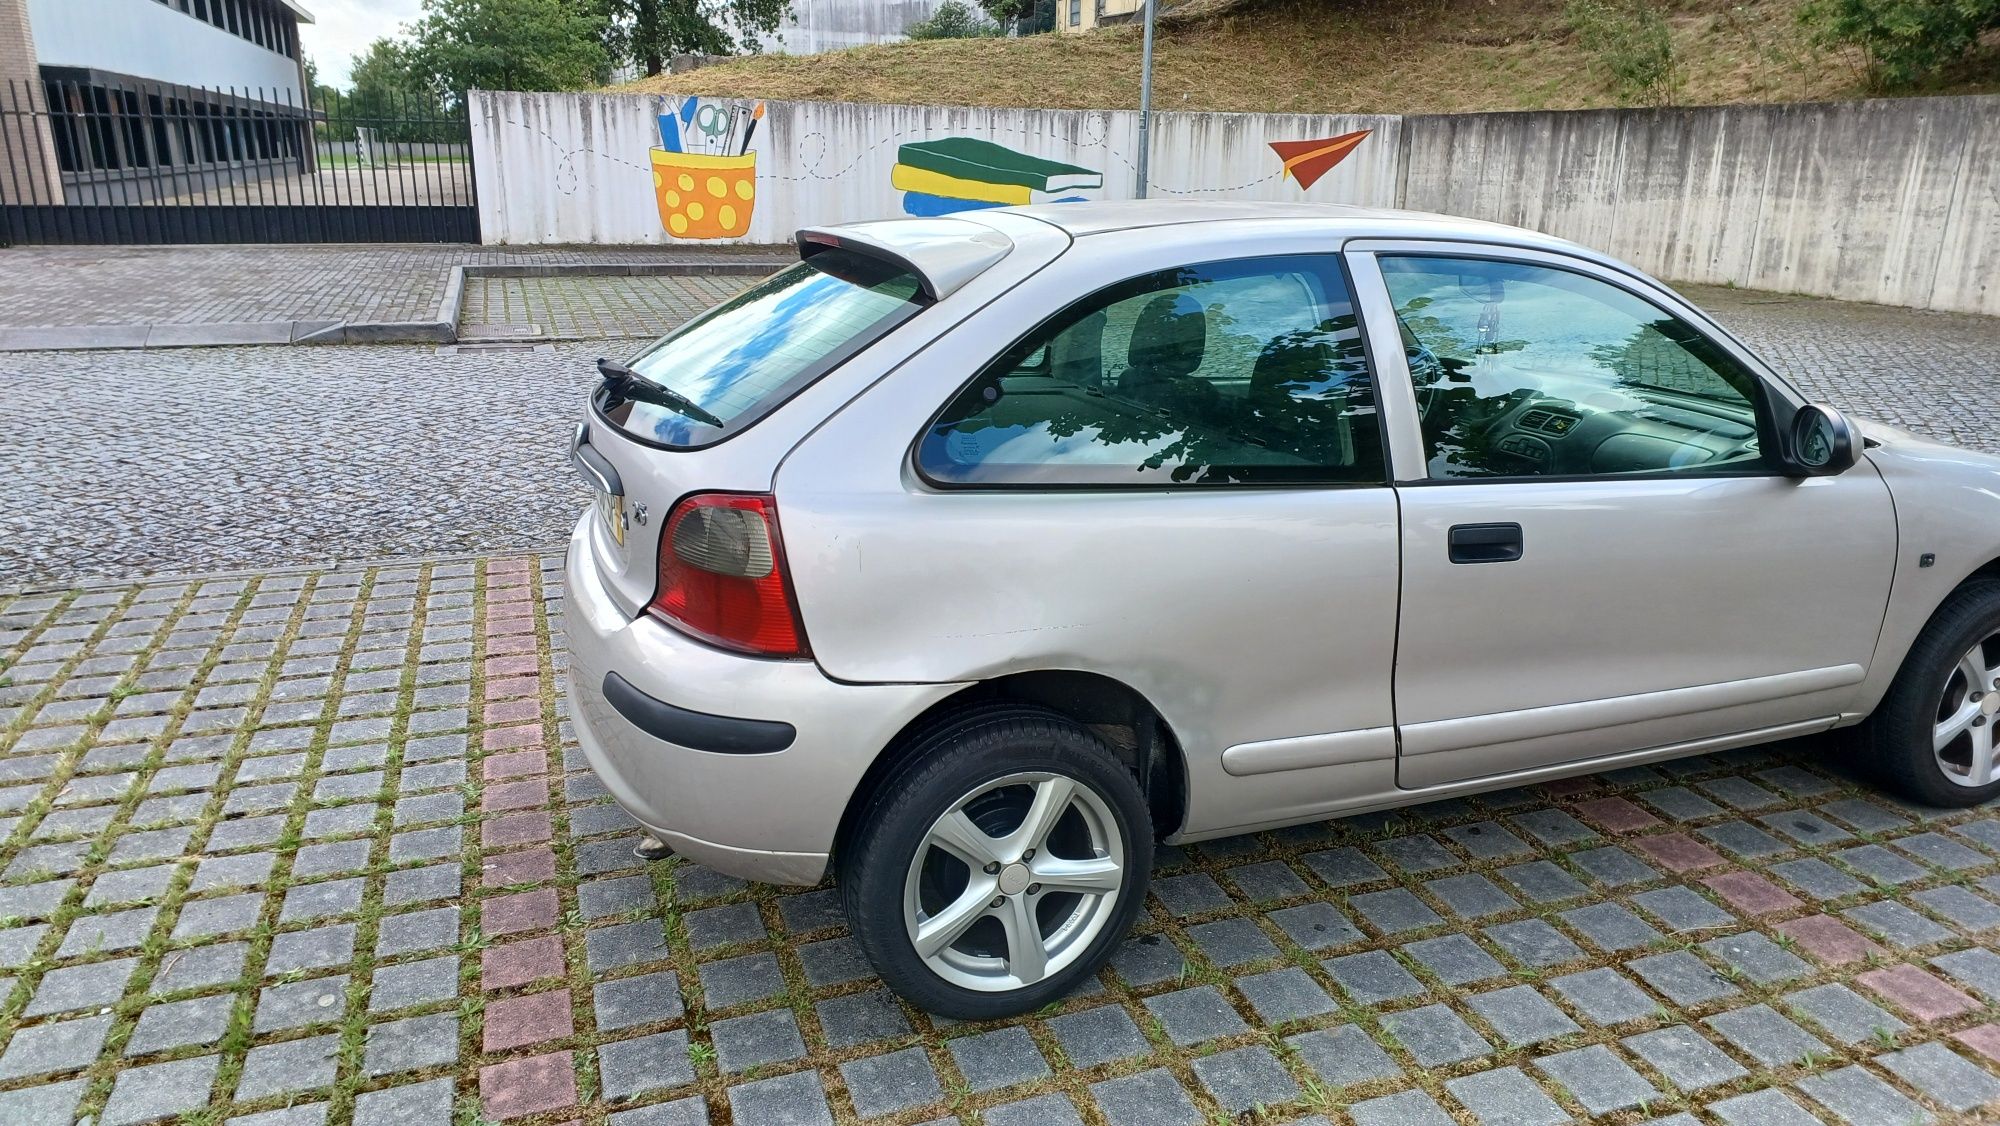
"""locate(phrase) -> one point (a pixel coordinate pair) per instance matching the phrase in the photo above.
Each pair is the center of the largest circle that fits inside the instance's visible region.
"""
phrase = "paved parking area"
(317, 846)
(574, 308)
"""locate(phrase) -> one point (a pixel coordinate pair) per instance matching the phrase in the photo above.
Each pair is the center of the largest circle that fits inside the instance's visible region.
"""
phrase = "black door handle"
(1485, 543)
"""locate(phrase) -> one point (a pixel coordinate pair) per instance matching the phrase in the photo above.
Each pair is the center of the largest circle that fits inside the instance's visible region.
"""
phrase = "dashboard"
(1534, 433)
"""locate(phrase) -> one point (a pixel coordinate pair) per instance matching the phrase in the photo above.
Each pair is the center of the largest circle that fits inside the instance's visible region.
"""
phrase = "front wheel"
(1933, 734)
(999, 865)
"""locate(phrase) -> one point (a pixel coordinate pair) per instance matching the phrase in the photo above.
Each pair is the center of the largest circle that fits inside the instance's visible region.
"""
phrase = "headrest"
(1169, 337)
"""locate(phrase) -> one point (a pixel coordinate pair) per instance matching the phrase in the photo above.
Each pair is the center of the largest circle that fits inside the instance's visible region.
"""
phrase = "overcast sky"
(345, 28)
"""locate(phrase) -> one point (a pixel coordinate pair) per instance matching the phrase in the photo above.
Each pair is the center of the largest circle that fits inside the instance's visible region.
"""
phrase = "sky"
(345, 28)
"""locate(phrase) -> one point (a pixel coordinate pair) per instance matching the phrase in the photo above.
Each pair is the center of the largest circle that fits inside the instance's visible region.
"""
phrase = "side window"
(1525, 370)
(1230, 373)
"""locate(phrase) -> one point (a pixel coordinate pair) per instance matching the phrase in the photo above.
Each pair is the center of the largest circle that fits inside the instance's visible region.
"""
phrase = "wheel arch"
(1114, 711)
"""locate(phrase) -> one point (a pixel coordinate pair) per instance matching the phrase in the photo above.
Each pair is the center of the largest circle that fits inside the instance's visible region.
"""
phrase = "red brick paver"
(1678, 852)
(1750, 893)
(1616, 815)
(1828, 939)
(523, 911)
(518, 963)
(517, 1088)
(515, 1022)
(1917, 993)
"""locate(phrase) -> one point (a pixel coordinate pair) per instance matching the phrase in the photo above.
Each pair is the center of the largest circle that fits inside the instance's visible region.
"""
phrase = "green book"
(970, 159)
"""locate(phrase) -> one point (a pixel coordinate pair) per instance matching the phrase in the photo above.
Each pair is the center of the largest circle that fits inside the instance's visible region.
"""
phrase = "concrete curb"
(442, 330)
(106, 582)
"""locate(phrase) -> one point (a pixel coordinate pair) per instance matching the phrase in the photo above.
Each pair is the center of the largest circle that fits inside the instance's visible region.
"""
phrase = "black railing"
(84, 162)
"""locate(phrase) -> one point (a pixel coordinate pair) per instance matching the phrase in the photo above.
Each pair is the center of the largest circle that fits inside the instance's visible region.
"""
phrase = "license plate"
(611, 509)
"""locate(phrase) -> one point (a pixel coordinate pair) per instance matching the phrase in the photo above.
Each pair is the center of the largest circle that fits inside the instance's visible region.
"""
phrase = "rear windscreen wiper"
(624, 382)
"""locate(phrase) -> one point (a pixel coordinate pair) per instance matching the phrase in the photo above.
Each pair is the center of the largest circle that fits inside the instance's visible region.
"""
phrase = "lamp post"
(1145, 100)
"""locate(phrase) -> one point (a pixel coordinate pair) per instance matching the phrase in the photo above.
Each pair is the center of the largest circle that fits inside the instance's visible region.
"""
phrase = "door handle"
(1485, 543)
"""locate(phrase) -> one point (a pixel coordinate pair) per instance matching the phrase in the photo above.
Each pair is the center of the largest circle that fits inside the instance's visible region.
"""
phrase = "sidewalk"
(87, 297)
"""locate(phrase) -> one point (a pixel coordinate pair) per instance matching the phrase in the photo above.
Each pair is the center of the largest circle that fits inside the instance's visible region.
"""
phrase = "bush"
(1906, 42)
(1632, 41)
(953, 19)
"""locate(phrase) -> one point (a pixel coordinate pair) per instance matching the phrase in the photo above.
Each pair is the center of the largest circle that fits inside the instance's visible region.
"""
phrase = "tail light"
(723, 577)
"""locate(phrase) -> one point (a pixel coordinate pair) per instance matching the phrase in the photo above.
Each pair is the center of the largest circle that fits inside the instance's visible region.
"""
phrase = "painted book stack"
(962, 174)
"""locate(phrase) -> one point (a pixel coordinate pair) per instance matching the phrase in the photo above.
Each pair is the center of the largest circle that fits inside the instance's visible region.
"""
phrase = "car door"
(1600, 554)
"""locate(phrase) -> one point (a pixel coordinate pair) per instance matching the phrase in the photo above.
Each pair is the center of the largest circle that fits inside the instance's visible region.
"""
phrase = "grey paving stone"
(631, 1001)
(1316, 926)
(1553, 827)
(998, 1059)
(1406, 1108)
(797, 1099)
(417, 1104)
(1098, 1036)
(425, 844)
(1806, 827)
(1611, 926)
(155, 1091)
(330, 858)
(1841, 1013)
(811, 911)
(1613, 867)
(1680, 804)
(712, 927)
(1505, 1097)
(1743, 840)
(1232, 942)
(1683, 909)
(1856, 1096)
(409, 984)
(206, 918)
(313, 949)
(308, 902)
(689, 1111)
(1687, 1059)
(1973, 912)
(1194, 894)
(1541, 881)
(737, 981)
(1488, 840)
(644, 1064)
(1766, 1036)
(1682, 977)
(81, 987)
(416, 932)
(128, 886)
(1758, 958)
(1817, 878)
(635, 943)
(835, 961)
(1284, 995)
(1148, 959)
(33, 901)
(1943, 1075)
(1880, 866)
(1343, 1056)
(410, 1044)
(294, 1065)
(1598, 1079)
(421, 885)
(18, 945)
(1604, 996)
(1769, 1107)
(1267, 882)
(1534, 943)
(51, 1102)
(1940, 851)
(1896, 924)
(1455, 959)
(200, 967)
(107, 933)
(1043, 1110)
(752, 1041)
(1244, 1078)
(619, 895)
(1394, 911)
(1522, 1016)
(178, 1024)
(1472, 896)
(1344, 867)
(43, 1049)
(861, 1018)
(1150, 1098)
(1372, 977)
(1435, 1035)
(301, 1003)
(1190, 1016)
(881, 1085)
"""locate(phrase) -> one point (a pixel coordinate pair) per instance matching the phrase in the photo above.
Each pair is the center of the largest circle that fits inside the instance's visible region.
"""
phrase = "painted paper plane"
(1307, 161)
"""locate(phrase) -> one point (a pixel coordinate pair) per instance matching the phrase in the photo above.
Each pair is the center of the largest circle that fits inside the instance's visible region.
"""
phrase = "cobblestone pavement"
(318, 847)
(126, 463)
(569, 308)
(55, 286)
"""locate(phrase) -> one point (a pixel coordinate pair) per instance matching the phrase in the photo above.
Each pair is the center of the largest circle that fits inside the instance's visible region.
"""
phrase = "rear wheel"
(999, 865)
(1933, 734)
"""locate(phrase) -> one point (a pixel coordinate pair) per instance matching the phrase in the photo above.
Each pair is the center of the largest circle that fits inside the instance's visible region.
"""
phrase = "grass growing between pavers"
(329, 785)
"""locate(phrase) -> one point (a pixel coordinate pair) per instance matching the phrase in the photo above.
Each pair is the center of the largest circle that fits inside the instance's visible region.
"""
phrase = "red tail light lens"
(723, 578)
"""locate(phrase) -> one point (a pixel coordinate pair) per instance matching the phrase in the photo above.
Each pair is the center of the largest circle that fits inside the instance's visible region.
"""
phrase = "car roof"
(1085, 218)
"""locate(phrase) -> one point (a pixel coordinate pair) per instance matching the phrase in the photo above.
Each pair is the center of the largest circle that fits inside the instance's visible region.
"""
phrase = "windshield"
(734, 364)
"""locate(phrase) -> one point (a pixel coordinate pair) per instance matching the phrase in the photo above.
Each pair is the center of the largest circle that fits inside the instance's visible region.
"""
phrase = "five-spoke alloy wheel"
(1016, 846)
(1932, 735)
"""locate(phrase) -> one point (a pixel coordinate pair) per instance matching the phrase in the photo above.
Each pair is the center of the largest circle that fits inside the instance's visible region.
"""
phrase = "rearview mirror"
(1822, 442)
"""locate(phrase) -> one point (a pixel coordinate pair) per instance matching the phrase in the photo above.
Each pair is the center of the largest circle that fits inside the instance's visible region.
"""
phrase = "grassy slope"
(1358, 56)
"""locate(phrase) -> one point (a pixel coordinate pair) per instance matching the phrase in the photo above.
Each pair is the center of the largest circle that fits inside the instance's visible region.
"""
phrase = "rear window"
(722, 371)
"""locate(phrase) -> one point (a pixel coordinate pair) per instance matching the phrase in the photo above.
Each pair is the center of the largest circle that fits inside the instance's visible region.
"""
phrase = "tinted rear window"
(740, 360)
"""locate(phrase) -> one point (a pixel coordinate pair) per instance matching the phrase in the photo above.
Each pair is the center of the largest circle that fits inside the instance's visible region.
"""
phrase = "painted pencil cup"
(705, 196)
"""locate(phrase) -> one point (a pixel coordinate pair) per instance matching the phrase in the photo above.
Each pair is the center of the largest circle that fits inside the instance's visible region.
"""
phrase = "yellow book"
(907, 178)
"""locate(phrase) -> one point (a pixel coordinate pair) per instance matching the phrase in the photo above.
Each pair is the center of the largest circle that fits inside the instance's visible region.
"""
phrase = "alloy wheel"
(1962, 736)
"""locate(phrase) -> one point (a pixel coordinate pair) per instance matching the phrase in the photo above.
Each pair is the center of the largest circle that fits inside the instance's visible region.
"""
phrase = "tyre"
(1932, 737)
(998, 865)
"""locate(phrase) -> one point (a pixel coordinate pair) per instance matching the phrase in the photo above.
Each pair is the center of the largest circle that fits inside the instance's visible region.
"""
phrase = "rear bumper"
(739, 806)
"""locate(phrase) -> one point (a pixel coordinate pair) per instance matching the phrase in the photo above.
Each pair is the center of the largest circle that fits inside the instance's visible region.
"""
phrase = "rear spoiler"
(944, 254)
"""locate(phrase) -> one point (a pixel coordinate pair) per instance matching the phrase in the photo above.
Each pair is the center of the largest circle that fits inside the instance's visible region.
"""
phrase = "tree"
(953, 19)
(1906, 42)
(458, 45)
(649, 32)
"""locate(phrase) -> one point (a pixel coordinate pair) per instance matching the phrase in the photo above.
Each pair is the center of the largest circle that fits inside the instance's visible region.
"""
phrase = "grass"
(1364, 56)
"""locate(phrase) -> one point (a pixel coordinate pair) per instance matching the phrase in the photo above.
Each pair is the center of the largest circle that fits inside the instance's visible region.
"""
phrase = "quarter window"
(1525, 370)
(1245, 372)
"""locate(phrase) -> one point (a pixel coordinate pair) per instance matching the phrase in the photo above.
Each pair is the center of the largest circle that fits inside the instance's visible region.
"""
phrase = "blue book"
(927, 205)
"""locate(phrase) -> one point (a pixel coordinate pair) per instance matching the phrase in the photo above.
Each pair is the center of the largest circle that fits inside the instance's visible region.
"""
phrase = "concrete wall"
(1890, 201)
(831, 25)
(147, 39)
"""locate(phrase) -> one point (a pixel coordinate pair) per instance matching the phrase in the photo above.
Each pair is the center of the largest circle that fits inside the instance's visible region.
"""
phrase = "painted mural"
(964, 174)
(1307, 161)
(704, 170)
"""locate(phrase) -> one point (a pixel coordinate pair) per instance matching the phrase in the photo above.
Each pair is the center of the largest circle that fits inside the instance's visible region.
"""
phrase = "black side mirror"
(1821, 442)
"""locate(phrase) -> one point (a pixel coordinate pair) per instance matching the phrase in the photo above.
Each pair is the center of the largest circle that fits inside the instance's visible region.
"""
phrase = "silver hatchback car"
(975, 555)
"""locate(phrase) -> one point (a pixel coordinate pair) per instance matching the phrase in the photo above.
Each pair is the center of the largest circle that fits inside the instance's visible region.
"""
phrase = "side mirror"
(1821, 442)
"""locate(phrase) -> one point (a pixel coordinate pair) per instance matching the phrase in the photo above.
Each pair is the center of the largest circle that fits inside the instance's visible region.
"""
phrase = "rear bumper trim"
(700, 731)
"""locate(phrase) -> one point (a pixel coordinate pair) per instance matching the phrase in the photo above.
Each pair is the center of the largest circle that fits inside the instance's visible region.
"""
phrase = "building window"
(1076, 13)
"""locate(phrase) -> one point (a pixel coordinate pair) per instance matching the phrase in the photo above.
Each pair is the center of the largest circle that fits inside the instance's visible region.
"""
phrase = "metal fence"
(142, 163)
